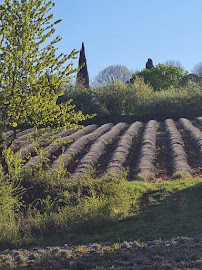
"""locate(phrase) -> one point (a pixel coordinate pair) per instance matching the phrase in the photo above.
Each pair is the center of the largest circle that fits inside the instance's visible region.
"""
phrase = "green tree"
(161, 76)
(32, 72)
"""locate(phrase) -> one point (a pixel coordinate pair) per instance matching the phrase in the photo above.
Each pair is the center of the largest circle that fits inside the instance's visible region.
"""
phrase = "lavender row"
(52, 148)
(97, 149)
(199, 120)
(120, 155)
(195, 135)
(28, 147)
(177, 153)
(78, 146)
(23, 141)
(145, 168)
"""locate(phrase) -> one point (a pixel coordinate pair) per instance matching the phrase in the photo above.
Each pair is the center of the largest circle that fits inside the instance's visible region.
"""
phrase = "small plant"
(14, 164)
(179, 175)
(47, 205)
(116, 246)
(44, 257)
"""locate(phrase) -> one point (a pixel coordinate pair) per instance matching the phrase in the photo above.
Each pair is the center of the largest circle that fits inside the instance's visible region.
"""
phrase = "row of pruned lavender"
(123, 148)
(25, 137)
(199, 120)
(28, 148)
(78, 146)
(176, 147)
(145, 168)
(88, 162)
(55, 146)
(19, 133)
(195, 135)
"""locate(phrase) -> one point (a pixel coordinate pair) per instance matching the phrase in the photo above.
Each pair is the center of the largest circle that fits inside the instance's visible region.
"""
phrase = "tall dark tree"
(82, 75)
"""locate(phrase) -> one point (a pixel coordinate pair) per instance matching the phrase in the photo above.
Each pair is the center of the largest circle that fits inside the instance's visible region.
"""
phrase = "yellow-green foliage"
(139, 99)
(161, 76)
(31, 74)
(9, 207)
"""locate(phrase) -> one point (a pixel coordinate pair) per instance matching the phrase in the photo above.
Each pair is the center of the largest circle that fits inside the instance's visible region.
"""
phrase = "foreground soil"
(178, 253)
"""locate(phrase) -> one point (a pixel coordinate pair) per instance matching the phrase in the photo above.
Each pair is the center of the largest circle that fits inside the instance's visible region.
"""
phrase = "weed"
(116, 246)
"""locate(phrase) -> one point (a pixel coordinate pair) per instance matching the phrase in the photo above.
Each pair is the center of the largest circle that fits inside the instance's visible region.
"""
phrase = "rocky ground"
(179, 253)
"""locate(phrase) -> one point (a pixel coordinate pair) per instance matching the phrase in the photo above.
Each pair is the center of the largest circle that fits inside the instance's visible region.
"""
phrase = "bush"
(174, 103)
(80, 203)
(9, 209)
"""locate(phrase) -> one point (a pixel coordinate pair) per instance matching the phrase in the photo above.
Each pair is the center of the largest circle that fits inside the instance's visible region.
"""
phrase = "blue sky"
(131, 31)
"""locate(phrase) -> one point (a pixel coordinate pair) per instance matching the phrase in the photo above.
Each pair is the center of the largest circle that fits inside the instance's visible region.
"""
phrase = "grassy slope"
(162, 210)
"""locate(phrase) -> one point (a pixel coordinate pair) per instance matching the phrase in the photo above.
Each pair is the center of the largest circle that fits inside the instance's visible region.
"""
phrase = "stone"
(197, 264)
(136, 244)
(196, 240)
(107, 244)
(195, 256)
(197, 246)
(33, 256)
(179, 258)
(33, 267)
(180, 265)
(54, 251)
(64, 254)
(7, 258)
(138, 261)
(19, 258)
(165, 266)
(125, 244)
(96, 246)
(56, 266)
(151, 252)
(77, 265)
(181, 241)
(151, 243)
(144, 267)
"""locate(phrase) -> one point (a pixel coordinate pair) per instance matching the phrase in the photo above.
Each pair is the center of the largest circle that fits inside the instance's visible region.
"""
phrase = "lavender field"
(150, 151)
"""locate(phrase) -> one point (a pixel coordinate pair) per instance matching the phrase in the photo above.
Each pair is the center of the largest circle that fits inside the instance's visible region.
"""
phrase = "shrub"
(9, 208)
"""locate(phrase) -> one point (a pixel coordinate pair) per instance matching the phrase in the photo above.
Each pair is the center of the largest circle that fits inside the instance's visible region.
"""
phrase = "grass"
(163, 210)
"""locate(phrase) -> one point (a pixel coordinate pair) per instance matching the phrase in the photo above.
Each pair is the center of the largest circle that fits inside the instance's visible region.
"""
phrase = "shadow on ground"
(177, 215)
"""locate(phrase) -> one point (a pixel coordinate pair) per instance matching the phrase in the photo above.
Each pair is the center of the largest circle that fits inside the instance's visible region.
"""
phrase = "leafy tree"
(198, 69)
(113, 73)
(30, 72)
(83, 98)
(161, 76)
(118, 98)
(82, 75)
(174, 63)
(111, 97)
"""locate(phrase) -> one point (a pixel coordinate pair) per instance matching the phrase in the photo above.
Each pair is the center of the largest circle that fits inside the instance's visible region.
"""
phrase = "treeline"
(119, 101)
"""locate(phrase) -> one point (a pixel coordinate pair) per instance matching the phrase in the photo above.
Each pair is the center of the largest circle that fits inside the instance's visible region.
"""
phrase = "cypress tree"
(82, 75)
